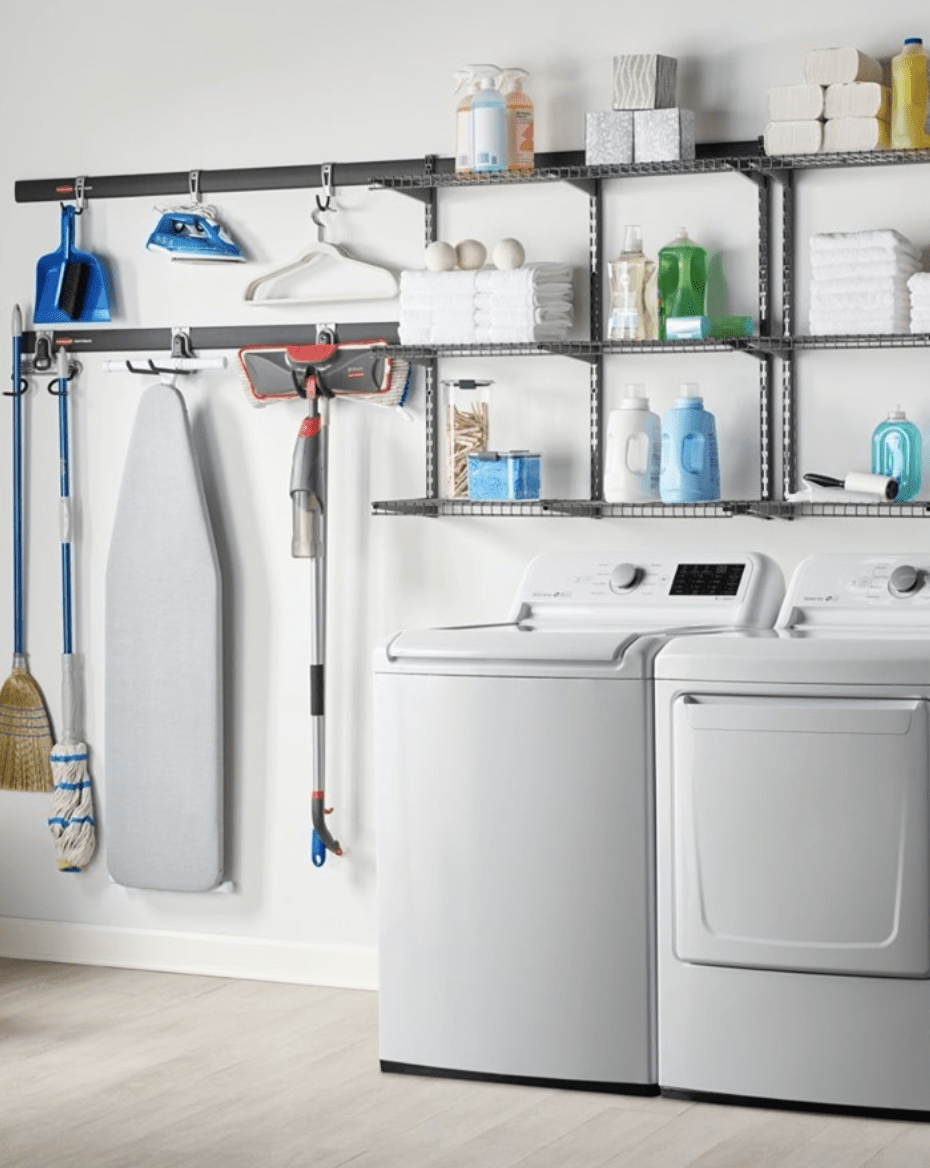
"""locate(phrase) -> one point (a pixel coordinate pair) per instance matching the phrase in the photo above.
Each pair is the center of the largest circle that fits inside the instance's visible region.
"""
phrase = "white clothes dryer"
(793, 829)
(515, 854)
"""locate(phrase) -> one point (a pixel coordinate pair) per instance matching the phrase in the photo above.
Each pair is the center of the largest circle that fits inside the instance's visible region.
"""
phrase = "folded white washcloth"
(873, 285)
(507, 334)
(920, 326)
(851, 298)
(858, 326)
(431, 283)
(919, 282)
(855, 269)
(528, 278)
(884, 239)
(491, 318)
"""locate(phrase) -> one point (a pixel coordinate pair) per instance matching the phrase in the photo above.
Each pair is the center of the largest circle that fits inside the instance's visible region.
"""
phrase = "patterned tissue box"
(663, 135)
(608, 138)
(645, 81)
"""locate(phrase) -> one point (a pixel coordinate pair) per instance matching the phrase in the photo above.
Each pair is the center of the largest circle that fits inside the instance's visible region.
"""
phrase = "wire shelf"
(570, 508)
(832, 160)
(862, 510)
(863, 341)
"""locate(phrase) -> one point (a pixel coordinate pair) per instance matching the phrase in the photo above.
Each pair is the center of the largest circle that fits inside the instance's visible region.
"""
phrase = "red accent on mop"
(310, 427)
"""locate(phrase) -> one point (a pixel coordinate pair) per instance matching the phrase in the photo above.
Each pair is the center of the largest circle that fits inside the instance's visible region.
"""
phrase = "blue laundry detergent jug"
(690, 471)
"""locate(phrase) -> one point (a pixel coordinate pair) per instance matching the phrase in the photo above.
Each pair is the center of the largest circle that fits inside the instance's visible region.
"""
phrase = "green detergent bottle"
(681, 279)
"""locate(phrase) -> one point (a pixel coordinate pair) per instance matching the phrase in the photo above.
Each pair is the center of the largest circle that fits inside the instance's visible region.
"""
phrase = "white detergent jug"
(634, 451)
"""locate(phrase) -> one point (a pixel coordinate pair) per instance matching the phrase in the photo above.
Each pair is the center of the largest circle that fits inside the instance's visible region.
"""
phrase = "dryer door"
(800, 834)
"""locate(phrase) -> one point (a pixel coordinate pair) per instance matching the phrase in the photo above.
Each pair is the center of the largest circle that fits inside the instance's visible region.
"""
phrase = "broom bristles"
(72, 820)
(25, 735)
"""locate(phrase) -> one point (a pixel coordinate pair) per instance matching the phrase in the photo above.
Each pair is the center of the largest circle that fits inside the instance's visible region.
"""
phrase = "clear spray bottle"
(520, 128)
(489, 121)
(466, 87)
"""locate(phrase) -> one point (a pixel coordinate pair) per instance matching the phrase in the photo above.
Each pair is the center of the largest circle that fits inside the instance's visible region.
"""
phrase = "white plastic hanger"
(343, 277)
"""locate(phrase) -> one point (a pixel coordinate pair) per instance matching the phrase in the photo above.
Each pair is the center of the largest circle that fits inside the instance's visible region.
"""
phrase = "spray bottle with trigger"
(519, 121)
(489, 122)
(467, 85)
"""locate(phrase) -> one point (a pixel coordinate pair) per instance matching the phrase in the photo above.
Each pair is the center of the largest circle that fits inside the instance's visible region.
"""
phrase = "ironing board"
(163, 692)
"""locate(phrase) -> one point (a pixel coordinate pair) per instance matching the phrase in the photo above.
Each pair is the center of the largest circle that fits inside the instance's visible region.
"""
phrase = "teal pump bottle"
(896, 453)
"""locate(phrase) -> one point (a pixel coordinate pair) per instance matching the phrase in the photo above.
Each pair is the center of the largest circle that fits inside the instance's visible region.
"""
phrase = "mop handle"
(17, 394)
(65, 502)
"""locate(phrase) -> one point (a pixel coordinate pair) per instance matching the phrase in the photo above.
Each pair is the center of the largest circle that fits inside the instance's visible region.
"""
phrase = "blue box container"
(506, 474)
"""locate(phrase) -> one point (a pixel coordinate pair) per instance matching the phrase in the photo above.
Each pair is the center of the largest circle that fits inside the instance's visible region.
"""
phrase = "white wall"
(110, 88)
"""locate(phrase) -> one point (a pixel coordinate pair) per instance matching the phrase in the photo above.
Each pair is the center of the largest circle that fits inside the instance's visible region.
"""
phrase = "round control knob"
(624, 578)
(905, 581)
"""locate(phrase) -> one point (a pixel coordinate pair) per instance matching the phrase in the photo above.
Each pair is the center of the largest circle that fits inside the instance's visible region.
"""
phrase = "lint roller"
(867, 484)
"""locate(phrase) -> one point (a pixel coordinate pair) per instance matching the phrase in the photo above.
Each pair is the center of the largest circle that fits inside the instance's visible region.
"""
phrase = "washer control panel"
(707, 589)
(842, 588)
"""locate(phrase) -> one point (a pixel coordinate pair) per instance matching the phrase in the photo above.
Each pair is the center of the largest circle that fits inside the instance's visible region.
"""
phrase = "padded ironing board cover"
(164, 733)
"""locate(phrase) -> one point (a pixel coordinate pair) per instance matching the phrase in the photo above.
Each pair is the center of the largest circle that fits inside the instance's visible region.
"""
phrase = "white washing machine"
(793, 828)
(515, 820)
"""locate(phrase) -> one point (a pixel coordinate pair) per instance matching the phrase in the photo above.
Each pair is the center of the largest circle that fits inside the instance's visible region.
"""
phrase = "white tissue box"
(793, 137)
(663, 135)
(857, 99)
(850, 134)
(645, 81)
(795, 103)
(608, 138)
(833, 66)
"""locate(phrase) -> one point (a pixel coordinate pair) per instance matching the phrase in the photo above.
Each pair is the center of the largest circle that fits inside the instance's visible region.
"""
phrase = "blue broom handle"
(65, 492)
(17, 495)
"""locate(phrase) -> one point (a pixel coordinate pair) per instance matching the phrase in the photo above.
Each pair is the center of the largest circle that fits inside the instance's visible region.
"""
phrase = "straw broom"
(72, 817)
(25, 735)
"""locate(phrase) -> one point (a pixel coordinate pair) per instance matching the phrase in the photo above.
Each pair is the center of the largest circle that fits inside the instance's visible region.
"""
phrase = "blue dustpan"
(71, 285)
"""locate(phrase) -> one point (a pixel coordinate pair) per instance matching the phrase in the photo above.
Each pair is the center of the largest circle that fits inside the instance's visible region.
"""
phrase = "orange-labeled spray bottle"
(520, 121)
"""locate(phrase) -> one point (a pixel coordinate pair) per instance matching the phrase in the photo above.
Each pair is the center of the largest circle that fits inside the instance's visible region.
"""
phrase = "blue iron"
(193, 235)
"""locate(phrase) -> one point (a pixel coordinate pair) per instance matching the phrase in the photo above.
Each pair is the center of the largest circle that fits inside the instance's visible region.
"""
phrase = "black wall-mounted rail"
(391, 172)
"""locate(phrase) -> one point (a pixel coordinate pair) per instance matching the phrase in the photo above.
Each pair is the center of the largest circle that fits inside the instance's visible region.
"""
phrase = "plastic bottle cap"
(689, 389)
(913, 40)
(633, 238)
(634, 403)
(897, 415)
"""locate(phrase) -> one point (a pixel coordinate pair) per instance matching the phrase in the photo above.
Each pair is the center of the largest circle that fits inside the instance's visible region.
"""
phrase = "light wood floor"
(106, 1068)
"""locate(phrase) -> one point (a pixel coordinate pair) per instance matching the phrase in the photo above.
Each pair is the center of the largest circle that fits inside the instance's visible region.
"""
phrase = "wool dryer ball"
(439, 256)
(471, 254)
(508, 254)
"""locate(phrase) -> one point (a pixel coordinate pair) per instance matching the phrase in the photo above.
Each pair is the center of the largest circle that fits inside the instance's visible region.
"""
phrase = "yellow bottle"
(519, 122)
(910, 97)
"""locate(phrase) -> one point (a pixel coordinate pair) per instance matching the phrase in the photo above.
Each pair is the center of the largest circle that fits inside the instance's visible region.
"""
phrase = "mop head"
(353, 369)
(72, 822)
(25, 735)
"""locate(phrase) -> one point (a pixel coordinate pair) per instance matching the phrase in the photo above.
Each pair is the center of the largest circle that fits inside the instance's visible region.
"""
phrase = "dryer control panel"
(847, 589)
(733, 589)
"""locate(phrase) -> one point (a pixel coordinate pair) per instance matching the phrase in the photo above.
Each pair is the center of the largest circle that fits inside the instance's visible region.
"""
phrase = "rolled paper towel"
(834, 66)
(793, 137)
(849, 134)
(795, 103)
(857, 99)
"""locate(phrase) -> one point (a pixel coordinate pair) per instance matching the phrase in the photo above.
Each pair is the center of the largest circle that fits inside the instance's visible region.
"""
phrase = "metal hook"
(193, 185)
(79, 194)
(326, 179)
(74, 368)
(23, 388)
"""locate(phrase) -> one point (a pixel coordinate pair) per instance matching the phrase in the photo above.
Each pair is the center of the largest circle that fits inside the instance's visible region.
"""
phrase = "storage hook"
(193, 185)
(326, 174)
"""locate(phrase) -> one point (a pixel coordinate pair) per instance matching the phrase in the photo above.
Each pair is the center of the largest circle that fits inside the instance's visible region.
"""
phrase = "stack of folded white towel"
(844, 106)
(919, 285)
(534, 303)
(859, 282)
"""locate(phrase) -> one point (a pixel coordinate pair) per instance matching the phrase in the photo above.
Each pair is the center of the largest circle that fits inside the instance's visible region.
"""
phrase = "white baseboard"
(213, 955)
